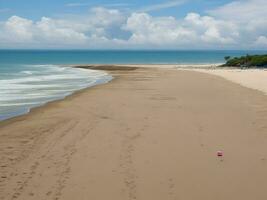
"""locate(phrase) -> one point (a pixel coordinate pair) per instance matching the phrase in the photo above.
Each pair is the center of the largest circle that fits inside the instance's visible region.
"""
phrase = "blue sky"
(169, 24)
(35, 9)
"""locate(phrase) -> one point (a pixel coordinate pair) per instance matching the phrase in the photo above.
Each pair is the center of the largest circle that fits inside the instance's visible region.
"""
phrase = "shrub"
(247, 61)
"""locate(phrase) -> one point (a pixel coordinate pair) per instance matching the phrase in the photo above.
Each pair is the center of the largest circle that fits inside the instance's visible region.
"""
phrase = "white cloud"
(261, 41)
(53, 31)
(168, 31)
(112, 28)
(241, 10)
(248, 16)
(168, 4)
(106, 17)
(148, 30)
(17, 29)
(212, 30)
(117, 5)
(82, 31)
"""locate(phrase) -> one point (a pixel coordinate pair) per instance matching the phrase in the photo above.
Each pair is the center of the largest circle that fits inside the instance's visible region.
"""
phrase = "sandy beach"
(150, 133)
(251, 78)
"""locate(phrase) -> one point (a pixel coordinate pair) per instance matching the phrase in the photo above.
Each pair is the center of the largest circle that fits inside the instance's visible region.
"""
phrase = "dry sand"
(150, 134)
(251, 78)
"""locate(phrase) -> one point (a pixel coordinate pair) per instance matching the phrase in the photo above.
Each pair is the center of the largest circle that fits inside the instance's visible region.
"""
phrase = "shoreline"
(156, 65)
(50, 103)
(258, 83)
(98, 81)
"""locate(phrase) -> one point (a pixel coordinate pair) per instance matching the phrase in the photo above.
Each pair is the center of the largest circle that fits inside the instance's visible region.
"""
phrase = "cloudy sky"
(133, 24)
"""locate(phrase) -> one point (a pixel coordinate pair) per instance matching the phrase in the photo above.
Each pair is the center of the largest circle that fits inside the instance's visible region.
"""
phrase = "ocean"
(30, 78)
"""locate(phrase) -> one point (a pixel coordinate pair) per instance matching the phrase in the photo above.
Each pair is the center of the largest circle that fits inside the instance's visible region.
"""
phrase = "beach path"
(150, 134)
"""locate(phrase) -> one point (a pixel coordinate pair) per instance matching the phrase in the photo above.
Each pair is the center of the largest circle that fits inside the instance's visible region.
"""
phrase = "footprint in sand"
(171, 188)
(31, 194)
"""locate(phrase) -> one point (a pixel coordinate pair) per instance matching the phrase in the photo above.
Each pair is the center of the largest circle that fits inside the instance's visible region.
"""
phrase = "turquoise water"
(30, 78)
(116, 57)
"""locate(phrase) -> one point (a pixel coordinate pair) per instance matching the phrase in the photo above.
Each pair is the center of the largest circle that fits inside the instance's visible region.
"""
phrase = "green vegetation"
(246, 61)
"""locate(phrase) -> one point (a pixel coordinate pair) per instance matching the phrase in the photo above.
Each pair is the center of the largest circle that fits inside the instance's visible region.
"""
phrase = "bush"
(247, 61)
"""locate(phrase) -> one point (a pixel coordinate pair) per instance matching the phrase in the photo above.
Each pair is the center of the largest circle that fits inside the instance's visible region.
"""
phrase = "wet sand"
(148, 134)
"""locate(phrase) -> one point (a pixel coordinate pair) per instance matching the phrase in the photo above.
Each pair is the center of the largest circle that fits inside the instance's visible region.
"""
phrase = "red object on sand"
(219, 153)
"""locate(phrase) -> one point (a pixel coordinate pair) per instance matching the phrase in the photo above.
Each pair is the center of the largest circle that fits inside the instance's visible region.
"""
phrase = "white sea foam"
(38, 84)
(18, 104)
(26, 72)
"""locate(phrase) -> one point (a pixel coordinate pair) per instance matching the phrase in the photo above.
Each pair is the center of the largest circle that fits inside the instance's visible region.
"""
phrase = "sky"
(133, 24)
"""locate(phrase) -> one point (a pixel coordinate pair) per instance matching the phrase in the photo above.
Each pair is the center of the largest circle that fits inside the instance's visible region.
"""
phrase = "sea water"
(30, 78)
